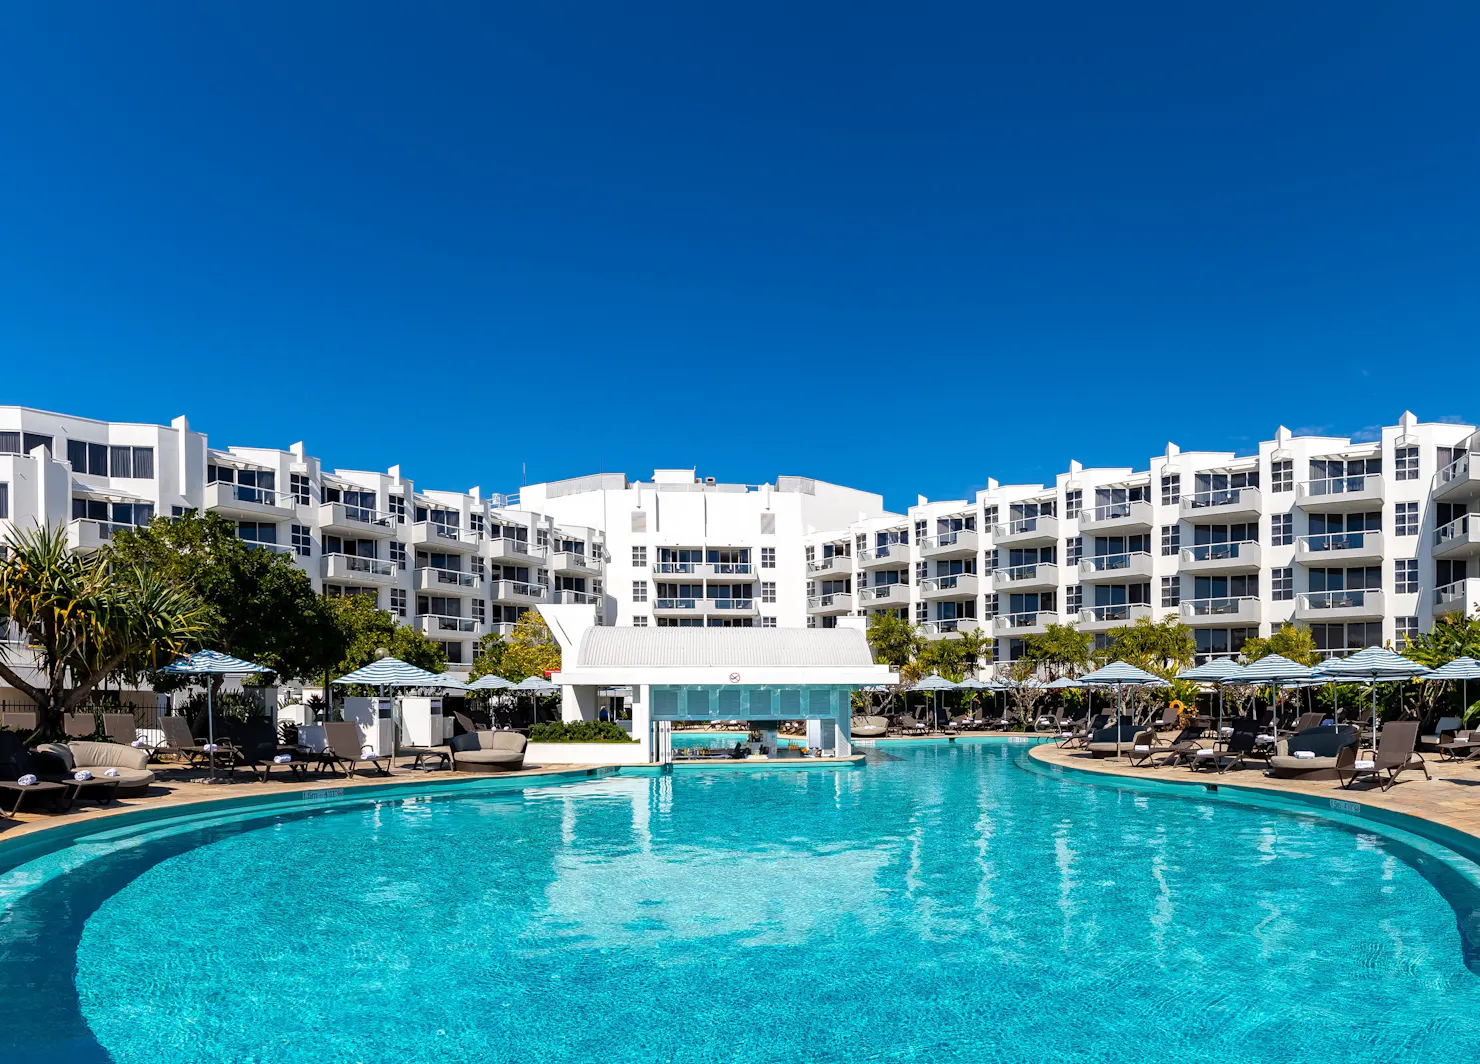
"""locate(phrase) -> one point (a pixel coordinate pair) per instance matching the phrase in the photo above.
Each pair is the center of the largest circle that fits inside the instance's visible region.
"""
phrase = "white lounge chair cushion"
(1305, 755)
(1366, 764)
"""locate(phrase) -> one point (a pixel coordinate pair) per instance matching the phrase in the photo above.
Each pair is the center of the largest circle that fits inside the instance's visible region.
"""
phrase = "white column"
(642, 720)
(577, 702)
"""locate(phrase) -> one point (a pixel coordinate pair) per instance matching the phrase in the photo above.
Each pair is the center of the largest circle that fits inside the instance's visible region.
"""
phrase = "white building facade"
(1363, 542)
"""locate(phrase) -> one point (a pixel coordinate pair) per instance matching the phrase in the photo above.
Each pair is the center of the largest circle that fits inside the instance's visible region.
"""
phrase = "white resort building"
(1363, 542)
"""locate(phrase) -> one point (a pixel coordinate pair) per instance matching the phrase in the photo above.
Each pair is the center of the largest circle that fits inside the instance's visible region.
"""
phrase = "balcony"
(516, 591)
(433, 536)
(565, 561)
(1335, 547)
(962, 543)
(1341, 494)
(1459, 480)
(509, 551)
(952, 586)
(358, 570)
(431, 578)
(731, 607)
(565, 597)
(678, 607)
(833, 604)
(1103, 618)
(1117, 517)
(88, 535)
(1116, 568)
(890, 595)
(884, 556)
(1242, 557)
(1026, 532)
(834, 568)
(1038, 576)
(1458, 539)
(951, 626)
(1320, 606)
(1205, 611)
(1023, 624)
(1461, 597)
(245, 503)
(440, 626)
(355, 521)
(740, 571)
(1226, 504)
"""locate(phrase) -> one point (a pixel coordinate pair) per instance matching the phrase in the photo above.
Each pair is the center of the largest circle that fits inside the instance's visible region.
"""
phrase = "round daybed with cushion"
(134, 777)
(1320, 747)
(869, 727)
(487, 751)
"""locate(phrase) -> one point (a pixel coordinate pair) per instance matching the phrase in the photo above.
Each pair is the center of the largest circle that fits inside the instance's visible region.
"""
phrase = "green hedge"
(578, 731)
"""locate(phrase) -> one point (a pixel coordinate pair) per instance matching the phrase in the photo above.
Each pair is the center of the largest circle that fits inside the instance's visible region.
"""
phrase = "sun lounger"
(1241, 744)
(908, 725)
(1444, 730)
(488, 751)
(79, 725)
(120, 727)
(1312, 754)
(17, 762)
(1080, 735)
(1185, 746)
(180, 741)
(1144, 747)
(1395, 755)
(1307, 721)
(345, 749)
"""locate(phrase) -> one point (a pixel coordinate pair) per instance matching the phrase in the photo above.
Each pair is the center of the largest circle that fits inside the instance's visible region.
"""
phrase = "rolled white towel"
(1207, 753)
(1305, 755)
(138, 744)
(82, 775)
(210, 748)
(1142, 749)
(1225, 731)
(282, 759)
(1366, 764)
(27, 780)
(1264, 738)
(1066, 735)
(111, 773)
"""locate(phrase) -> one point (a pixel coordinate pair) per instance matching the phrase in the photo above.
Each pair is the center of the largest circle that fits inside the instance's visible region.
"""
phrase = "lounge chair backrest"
(464, 721)
(79, 725)
(1308, 720)
(177, 733)
(15, 759)
(120, 727)
(1189, 734)
(1126, 732)
(1397, 739)
(1448, 724)
(343, 737)
(1241, 741)
(502, 740)
(1145, 738)
(84, 754)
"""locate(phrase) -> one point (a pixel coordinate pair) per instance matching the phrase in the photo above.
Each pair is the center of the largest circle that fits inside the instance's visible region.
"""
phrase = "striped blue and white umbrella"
(536, 685)
(1217, 672)
(490, 682)
(392, 672)
(209, 663)
(1275, 670)
(1120, 675)
(1462, 669)
(449, 682)
(1375, 665)
(935, 684)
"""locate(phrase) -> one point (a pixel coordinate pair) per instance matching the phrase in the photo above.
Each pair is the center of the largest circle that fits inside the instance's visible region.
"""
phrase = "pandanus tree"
(77, 620)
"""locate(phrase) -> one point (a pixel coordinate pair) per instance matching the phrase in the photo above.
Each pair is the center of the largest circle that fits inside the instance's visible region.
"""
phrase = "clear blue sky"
(901, 247)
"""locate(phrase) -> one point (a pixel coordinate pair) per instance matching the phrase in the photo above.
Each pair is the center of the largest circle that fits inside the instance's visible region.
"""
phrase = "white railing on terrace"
(1118, 611)
(566, 596)
(443, 623)
(269, 546)
(1450, 593)
(1459, 528)
(1215, 607)
(515, 588)
(1340, 485)
(731, 603)
(1342, 600)
(731, 568)
(946, 625)
(1329, 541)
(948, 539)
(889, 550)
(1455, 470)
(353, 563)
(103, 529)
(450, 533)
(832, 598)
(1216, 552)
(836, 561)
(949, 582)
(1019, 573)
(676, 603)
(518, 546)
(676, 568)
(884, 591)
(1109, 563)
(1112, 511)
(575, 559)
(362, 515)
(1022, 620)
(247, 493)
(1023, 525)
(432, 574)
(1203, 500)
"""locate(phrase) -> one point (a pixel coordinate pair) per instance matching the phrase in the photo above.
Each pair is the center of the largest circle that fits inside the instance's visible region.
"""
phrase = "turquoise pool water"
(944, 903)
(694, 740)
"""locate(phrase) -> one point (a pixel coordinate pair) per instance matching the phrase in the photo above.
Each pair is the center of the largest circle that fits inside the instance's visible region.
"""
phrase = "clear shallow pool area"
(946, 902)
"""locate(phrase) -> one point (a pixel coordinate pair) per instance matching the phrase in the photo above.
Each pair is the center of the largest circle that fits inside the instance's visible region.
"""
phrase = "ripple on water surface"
(944, 906)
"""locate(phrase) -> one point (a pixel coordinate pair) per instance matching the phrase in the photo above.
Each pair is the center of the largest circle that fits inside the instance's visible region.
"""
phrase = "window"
(639, 521)
(639, 591)
(302, 540)
(1073, 550)
(768, 622)
(1171, 539)
(10, 443)
(32, 440)
(989, 517)
(919, 532)
(397, 503)
(1073, 503)
(1282, 475)
(922, 570)
(1171, 489)
(1405, 576)
(1405, 463)
(1074, 599)
(639, 557)
(1282, 530)
(768, 524)
(1171, 590)
(398, 554)
(257, 531)
(1405, 519)
(922, 612)
(90, 458)
(1282, 584)
(475, 522)
(398, 601)
(298, 484)
(994, 560)
(1405, 631)
(768, 591)
(480, 610)
(4, 501)
(639, 622)
(991, 604)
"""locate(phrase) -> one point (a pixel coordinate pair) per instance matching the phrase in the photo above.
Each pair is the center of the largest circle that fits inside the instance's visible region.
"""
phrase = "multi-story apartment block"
(1363, 542)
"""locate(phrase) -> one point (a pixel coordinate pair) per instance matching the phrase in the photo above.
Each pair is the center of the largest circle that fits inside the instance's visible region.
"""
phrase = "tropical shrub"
(578, 731)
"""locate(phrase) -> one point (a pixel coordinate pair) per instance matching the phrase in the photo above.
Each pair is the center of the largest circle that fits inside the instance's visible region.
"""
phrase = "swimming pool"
(693, 740)
(945, 903)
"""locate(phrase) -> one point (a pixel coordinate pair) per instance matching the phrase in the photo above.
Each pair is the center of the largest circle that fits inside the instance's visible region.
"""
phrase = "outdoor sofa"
(487, 751)
(1323, 745)
(134, 777)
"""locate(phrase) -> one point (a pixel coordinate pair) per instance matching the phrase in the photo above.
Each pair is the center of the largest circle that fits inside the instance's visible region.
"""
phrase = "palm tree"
(85, 620)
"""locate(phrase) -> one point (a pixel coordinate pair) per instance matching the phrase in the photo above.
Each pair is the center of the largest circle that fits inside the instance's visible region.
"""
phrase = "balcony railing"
(831, 600)
(1119, 612)
(830, 564)
(1022, 573)
(676, 568)
(731, 604)
(1334, 541)
(1458, 469)
(1109, 563)
(1046, 523)
(1451, 596)
(891, 592)
(1218, 607)
(564, 596)
(676, 604)
(349, 564)
(1340, 485)
(731, 568)
(948, 625)
(1112, 511)
(965, 538)
(1342, 600)
(429, 531)
(1216, 552)
(431, 576)
(949, 582)
(1023, 620)
(438, 622)
(1203, 500)
(256, 496)
(503, 589)
(881, 551)
(1457, 529)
